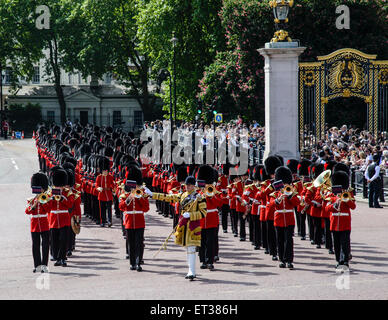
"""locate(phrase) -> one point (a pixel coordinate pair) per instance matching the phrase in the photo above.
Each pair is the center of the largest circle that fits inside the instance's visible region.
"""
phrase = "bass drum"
(76, 224)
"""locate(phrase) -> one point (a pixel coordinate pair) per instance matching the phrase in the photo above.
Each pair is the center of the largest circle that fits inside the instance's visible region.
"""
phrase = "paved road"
(98, 269)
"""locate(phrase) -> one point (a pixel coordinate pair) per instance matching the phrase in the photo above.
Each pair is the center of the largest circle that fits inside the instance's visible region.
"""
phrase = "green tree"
(197, 27)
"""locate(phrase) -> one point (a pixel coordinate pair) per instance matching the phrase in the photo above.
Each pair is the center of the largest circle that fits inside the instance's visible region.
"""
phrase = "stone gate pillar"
(281, 99)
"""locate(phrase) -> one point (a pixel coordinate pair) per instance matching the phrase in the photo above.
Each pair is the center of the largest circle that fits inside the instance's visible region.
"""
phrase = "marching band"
(101, 168)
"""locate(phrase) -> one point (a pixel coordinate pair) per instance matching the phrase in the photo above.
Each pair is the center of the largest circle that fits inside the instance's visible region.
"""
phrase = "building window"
(138, 118)
(116, 118)
(36, 77)
(51, 116)
(108, 78)
(70, 82)
(79, 78)
(8, 76)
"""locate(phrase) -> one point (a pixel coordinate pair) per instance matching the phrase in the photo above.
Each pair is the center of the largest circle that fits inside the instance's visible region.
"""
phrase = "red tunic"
(59, 215)
(340, 219)
(284, 210)
(212, 219)
(106, 183)
(134, 212)
(39, 217)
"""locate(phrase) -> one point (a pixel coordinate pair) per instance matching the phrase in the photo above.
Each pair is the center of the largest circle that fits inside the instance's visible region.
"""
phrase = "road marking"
(14, 164)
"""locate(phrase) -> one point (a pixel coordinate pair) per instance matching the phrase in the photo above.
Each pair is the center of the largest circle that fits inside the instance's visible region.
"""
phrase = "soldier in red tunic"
(38, 210)
(133, 207)
(284, 202)
(104, 186)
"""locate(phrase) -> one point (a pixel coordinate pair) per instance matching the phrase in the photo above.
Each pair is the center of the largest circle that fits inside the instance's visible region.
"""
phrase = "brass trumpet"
(210, 191)
(57, 198)
(288, 190)
(138, 193)
(43, 198)
(345, 196)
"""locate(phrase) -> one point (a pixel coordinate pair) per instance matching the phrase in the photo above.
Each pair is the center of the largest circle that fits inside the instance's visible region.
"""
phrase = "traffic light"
(215, 112)
(199, 111)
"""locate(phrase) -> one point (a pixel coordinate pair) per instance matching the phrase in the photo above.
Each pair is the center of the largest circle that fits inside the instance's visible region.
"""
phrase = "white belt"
(283, 211)
(212, 210)
(224, 190)
(39, 216)
(59, 211)
(340, 214)
(262, 207)
(315, 202)
(132, 212)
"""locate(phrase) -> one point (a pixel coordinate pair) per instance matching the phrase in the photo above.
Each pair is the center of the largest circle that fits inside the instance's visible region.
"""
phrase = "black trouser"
(341, 246)
(317, 222)
(271, 236)
(224, 216)
(264, 237)
(311, 227)
(70, 239)
(208, 243)
(59, 242)
(122, 225)
(250, 227)
(242, 225)
(285, 243)
(374, 193)
(302, 221)
(217, 247)
(256, 230)
(328, 238)
(176, 219)
(116, 206)
(104, 207)
(135, 239)
(297, 219)
(233, 218)
(40, 259)
(96, 208)
(172, 211)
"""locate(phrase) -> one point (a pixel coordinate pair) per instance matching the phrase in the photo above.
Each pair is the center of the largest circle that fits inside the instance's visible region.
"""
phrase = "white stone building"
(104, 103)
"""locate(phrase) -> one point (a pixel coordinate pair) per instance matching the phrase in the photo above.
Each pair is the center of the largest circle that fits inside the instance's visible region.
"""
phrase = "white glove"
(148, 191)
(99, 189)
(186, 215)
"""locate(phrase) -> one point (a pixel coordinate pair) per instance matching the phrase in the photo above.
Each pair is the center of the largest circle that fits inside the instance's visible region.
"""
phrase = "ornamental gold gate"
(343, 73)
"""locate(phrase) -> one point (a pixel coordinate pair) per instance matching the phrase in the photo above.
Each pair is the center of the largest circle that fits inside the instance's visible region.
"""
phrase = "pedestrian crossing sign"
(218, 118)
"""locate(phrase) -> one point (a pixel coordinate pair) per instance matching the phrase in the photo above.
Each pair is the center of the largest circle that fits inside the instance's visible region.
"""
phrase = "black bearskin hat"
(340, 178)
(284, 174)
(206, 173)
(70, 177)
(108, 152)
(317, 170)
(280, 158)
(292, 164)
(303, 168)
(39, 179)
(104, 164)
(271, 163)
(72, 143)
(134, 173)
(216, 175)
(330, 165)
(264, 175)
(59, 178)
(225, 168)
(341, 167)
(181, 174)
(256, 172)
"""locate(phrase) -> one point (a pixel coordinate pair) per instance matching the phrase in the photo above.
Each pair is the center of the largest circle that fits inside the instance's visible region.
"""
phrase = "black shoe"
(318, 246)
(52, 259)
(139, 268)
(350, 257)
(290, 266)
(142, 262)
(203, 266)
(266, 251)
(257, 247)
(303, 238)
(63, 263)
(191, 278)
(312, 242)
(274, 258)
(225, 231)
(282, 265)
(216, 258)
(132, 268)
(69, 254)
(371, 206)
(58, 263)
(34, 270)
(235, 235)
(379, 207)
(109, 224)
(331, 251)
(97, 222)
(127, 257)
(242, 239)
(102, 225)
(210, 267)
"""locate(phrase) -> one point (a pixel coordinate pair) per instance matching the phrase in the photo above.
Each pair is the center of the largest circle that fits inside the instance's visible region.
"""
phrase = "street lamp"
(174, 42)
(281, 9)
(162, 76)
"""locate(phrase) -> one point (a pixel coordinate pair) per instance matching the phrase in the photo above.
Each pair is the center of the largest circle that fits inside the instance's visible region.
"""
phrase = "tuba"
(323, 180)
